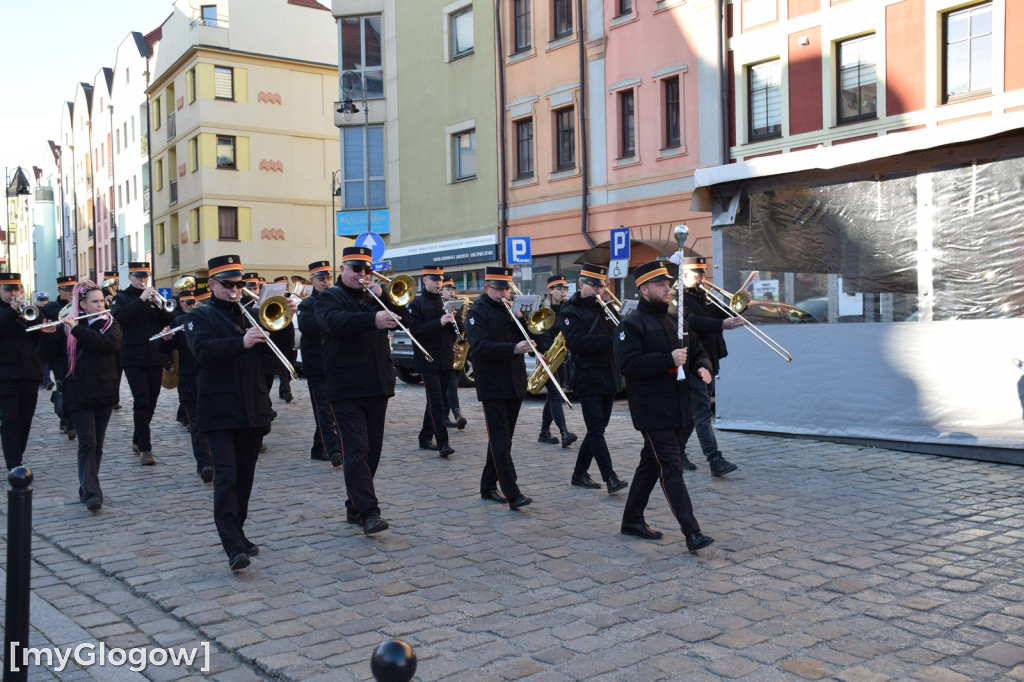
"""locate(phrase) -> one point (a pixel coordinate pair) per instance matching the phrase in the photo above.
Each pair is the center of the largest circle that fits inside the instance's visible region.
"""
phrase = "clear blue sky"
(47, 48)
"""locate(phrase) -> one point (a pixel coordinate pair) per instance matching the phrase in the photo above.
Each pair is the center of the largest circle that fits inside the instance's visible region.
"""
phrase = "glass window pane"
(981, 63)
(376, 151)
(462, 29)
(353, 153)
(958, 26)
(958, 69)
(373, 42)
(351, 43)
(374, 84)
(981, 20)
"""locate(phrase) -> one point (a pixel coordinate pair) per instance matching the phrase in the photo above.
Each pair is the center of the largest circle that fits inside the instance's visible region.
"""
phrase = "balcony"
(172, 130)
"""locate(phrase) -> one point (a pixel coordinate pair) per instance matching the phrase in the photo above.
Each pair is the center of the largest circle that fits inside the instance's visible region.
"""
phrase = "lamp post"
(335, 191)
(349, 81)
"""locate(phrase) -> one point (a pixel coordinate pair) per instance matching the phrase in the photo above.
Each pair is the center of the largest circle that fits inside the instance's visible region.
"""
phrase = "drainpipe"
(723, 49)
(584, 142)
(502, 142)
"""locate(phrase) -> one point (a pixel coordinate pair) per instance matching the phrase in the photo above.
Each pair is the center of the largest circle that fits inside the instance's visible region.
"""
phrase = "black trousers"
(234, 453)
(91, 425)
(500, 417)
(361, 424)
(200, 443)
(435, 383)
(325, 438)
(284, 386)
(597, 412)
(451, 393)
(660, 459)
(17, 407)
(145, 385)
(553, 410)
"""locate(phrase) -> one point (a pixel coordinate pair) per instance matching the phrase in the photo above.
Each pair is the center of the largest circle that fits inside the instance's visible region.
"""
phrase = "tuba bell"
(555, 356)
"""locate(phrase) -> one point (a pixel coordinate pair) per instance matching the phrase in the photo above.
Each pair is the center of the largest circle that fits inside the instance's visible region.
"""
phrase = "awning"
(640, 251)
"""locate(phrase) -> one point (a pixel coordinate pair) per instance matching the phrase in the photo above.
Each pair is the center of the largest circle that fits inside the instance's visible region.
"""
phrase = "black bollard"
(19, 576)
(393, 661)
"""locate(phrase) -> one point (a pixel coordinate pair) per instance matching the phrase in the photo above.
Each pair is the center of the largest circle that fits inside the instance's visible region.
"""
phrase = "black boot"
(449, 424)
(568, 438)
(545, 437)
(460, 421)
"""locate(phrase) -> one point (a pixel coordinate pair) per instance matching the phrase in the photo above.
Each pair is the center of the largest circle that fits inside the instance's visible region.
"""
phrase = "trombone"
(539, 322)
(400, 292)
(275, 314)
(737, 304)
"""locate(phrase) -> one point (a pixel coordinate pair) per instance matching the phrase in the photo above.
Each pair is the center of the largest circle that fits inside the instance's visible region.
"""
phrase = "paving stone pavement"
(831, 562)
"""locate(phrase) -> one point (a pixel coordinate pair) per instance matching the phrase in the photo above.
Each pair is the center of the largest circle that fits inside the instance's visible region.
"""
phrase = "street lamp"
(349, 81)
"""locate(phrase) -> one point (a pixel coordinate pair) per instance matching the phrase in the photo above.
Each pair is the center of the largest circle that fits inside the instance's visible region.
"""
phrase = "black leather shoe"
(615, 484)
(695, 541)
(206, 473)
(287, 397)
(374, 524)
(460, 421)
(568, 438)
(720, 466)
(238, 560)
(320, 457)
(518, 501)
(641, 530)
(251, 549)
(93, 504)
(687, 464)
(446, 450)
(72, 434)
(427, 445)
(117, 406)
(494, 495)
(449, 424)
(353, 518)
(336, 459)
(584, 481)
(545, 437)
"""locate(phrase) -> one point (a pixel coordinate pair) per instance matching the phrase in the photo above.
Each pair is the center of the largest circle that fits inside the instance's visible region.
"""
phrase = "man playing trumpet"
(434, 327)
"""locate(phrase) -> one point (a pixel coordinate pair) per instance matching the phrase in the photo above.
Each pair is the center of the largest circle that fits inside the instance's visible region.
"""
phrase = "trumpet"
(29, 313)
(167, 333)
(275, 314)
(165, 304)
(539, 322)
(738, 300)
(400, 292)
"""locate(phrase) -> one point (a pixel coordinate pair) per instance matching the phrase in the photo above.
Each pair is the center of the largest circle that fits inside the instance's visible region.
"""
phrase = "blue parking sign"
(619, 243)
(517, 251)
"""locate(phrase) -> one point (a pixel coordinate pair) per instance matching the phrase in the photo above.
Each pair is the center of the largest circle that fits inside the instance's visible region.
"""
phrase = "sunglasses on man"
(230, 283)
(360, 269)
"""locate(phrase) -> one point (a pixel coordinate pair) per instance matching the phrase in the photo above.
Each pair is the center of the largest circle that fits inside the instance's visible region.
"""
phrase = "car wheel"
(466, 378)
(409, 376)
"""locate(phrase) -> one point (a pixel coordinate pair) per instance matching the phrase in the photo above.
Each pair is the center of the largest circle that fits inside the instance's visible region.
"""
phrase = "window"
(625, 7)
(460, 29)
(175, 251)
(160, 237)
(127, 193)
(225, 152)
(967, 58)
(565, 130)
(190, 85)
(208, 14)
(117, 140)
(672, 118)
(627, 125)
(355, 140)
(193, 227)
(855, 60)
(563, 18)
(158, 174)
(361, 47)
(193, 154)
(119, 195)
(524, 148)
(464, 153)
(764, 88)
(522, 25)
(223, 83)
(227, 222)
(156, 114)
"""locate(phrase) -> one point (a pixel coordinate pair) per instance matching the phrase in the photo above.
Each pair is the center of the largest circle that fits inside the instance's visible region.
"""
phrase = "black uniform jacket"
(644, 342)
(309, 342)
(705, 319)
(18, 356)
(589, 333)
(230, 381)
(97, 379)
(356, 355)
(438, 339)
(187, 365)
(499, 372)
(139, 320)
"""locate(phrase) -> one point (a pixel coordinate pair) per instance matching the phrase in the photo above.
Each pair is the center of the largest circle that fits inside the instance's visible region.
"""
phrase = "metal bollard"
(393, 661)
(19, 576)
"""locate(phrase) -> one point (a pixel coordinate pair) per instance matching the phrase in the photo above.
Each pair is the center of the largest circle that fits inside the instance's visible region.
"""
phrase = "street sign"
(351, 223)
(372, 241)
(618, 269)
(165, 292)
(517, 251)
(382, 265)
(619, 244)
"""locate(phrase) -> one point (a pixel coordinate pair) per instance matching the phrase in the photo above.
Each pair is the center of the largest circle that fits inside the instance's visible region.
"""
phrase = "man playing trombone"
(588, 326)
(498, 346)
(435, 328)
(141, 312)
(707, 321)
(360, 377)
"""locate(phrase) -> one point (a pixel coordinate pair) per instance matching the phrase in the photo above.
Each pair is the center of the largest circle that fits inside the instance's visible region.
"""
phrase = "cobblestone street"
(830, 562)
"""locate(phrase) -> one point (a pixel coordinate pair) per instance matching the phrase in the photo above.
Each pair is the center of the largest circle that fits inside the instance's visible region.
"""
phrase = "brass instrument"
(29, 313)
(275, 314)
(461, 345)
(555, 356)
(166, 304)
(186, 282)
(539, 322)
(109, 287)
(63, 315)
(169, 377)
(400, 292)
(758, 333)
(608, 311)
(299, 284)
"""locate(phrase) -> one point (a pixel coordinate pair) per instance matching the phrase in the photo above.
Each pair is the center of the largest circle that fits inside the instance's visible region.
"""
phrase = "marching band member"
(45, 381)
(51, 312)
(553, 411)
(19, 371)
(451, 391)
(360, 379)
(326, 444)
(433, 327)
(92, 383)
(252, 283)
(647, 351)
(498, 348)
(285, 340)
(233, 401)
(108, 297)
(588, 335)
(137, 310)
(187, 380)
(707, 321)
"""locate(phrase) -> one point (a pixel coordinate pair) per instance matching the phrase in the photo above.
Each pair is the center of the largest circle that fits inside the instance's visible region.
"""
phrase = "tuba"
(555, 356)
